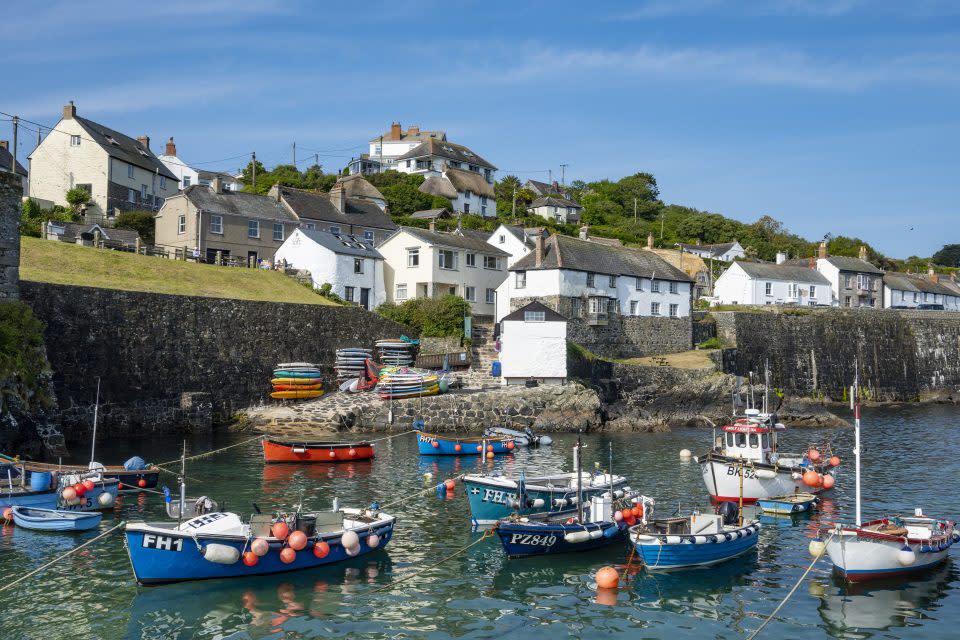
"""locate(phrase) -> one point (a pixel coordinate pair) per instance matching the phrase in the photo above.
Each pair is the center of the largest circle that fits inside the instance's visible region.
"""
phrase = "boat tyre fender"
(220, 553)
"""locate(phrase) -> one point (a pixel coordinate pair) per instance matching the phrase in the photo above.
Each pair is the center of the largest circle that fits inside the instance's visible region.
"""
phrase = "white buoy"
(221, 553)
(816, 547)
(685, 454)
(350, 539)
(105, 499)
(373, 541)
(906, 556)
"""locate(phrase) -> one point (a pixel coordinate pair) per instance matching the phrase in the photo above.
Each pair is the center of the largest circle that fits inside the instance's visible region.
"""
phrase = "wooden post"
(96, 239)
(137, 245)
(184, 253)
(219, 259)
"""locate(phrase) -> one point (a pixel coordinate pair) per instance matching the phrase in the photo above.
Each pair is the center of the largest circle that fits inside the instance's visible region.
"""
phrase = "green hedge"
(431, 317)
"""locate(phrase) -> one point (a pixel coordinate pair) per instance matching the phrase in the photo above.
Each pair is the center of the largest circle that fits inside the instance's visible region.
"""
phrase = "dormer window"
(112, 141)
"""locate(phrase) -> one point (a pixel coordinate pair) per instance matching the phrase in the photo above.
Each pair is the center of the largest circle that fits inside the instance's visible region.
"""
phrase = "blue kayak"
(54, 519)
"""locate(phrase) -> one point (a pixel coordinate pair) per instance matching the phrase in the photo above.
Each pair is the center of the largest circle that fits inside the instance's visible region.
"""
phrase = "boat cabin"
(753, 437)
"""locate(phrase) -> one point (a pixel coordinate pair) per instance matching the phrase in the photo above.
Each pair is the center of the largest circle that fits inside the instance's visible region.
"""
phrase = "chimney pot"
(171, 147)
(781, 257)
(4, 144)
(538, 250)
(585, 232)
(144, 142)
(822, 251)
(863, 253)
(69, 110)
(649, 241)
(433, 225)
(395, 131)
(413, 130)
(932, 275)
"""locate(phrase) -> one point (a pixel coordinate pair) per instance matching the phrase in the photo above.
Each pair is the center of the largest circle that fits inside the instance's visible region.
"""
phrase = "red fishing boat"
(315, 451)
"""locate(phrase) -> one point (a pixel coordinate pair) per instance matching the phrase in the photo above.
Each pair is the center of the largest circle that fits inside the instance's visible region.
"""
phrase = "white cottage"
(556, 208)
(914, 290)
(725, 251)
(533, 346)
(755, 283)
(189, 176)
(517, 241)
(352, 267)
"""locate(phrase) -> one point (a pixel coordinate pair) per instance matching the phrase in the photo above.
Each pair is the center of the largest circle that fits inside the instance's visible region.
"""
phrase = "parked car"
(901, 306)
(930, 307)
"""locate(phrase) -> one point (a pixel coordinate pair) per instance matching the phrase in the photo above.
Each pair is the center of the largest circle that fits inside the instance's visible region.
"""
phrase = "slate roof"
(550, 201)
(5, 158)
(404, 136)
(431, 214)
(210, 175)
(469, 242)
(714, 249)
(342, 243)
(237, 203)
(848, 263)
(73, 230)
(542, 188)
(448, 150)
(549, 314)
(564, 252)
(315, 205)
(785, 272)
(126, 148)
(517, 232)
(917, 282)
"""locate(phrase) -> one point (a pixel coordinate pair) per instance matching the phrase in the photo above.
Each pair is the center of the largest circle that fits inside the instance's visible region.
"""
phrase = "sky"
(833, 116)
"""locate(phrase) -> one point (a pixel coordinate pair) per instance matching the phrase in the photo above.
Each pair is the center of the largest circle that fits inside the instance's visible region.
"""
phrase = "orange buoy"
(811, 478)
(490, 455)
(68, 494)
(297, 540)
(8, 514)
(635, 510)
(449, 484)
(141, 483)
(280, 530)
(510, 445)
(607, 578)
(479, 448)
(489, 447)
(260, 546)
(287, 555)
(250, 558)
(321, 549)
(829, 481)
(813, 454)
(352, 452)
(333, 454)
(639, 510)
(435, 444)
(834, 461)
(88, 484)
(457, 448)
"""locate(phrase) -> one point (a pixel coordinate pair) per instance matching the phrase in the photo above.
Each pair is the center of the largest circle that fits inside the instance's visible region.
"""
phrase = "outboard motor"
(729, 512)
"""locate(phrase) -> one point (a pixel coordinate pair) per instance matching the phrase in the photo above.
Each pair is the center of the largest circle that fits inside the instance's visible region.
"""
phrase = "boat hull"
(54, 520)
(520, 539)
(289, 451)
(860, 559)
(494, 498)
(784, 507)
(49, 499)
(433, 445)
(666, 552)
(161, 556)
(721, 476)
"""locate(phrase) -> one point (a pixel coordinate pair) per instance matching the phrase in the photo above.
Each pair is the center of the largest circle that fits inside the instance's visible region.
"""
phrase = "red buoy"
(287, 555)
(457, 448)
(489, 447)
(811, 478)
(280, 530)
(435, 444)
(297, 540)
(479, 448)
(834, 461)
(250, 558)
(449, 484)
(80, 489)
(510, 445)
(88, 484)
(141, 483)
(321, 549)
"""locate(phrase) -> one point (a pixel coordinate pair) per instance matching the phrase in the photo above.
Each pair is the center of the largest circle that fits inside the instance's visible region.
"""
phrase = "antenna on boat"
(579, 482)
(183, 483)
(855, 401)
(610, 474)
(766, 386)
(96, 407)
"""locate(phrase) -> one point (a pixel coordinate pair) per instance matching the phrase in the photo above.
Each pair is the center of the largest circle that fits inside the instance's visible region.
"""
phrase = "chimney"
(395, 131)
(538, 250)
(274, 192)
(813, 263)
(338, 196)
(585, 232)
(863, 253)
(171, 147)
(216, 184)
(932, 275)
(433, 224)
(822, 251)
(5, 145)
(649, 241)
(144, 141)
(413, 130)
(69, 110)
(781, 257)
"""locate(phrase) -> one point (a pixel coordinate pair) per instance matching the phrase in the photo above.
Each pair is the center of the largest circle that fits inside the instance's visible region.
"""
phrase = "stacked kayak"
(296, 380)
(351, 363)
(397, 353)
(407, 382)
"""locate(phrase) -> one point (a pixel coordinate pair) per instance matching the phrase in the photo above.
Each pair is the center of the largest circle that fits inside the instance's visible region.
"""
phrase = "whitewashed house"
(854, 282)
(352, 267)
(763, 283)
(421, 263)
(119, 172)
(911, 290)
(467, 191)
(726, 251)
(580, 278)
(385, 149)
(189, 176)
(533, 346)
(517, 241)
(432, 156)
(8, 163)
(556, 208)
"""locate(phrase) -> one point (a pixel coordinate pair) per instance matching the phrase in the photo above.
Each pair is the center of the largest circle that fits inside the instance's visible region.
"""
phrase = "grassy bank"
(62, 263)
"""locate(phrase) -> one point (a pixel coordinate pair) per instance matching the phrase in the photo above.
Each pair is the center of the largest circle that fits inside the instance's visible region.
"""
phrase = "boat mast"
(766, 386)
(610, 475)
(96, 407)
(579, 483)
(183, 482)
(855, 400)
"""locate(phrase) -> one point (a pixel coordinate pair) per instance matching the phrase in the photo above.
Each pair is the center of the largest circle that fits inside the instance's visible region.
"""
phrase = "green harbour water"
(909, 460)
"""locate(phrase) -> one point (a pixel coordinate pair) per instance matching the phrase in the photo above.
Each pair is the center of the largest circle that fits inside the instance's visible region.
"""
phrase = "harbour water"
(397, 593)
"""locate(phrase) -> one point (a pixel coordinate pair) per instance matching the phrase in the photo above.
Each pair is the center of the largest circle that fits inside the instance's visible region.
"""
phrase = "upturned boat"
(276, 450)
(431, 444)
(55, 519)
(525, 438)
(889, 547)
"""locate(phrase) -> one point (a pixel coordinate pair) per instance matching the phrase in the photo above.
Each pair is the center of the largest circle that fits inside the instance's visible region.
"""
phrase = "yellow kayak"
(296, 394)
(302, 381)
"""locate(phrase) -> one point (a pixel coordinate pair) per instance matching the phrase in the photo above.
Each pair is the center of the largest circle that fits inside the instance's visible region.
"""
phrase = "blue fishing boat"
(789, 505)
(55, 519)
(697, 540)
(540, 535)
(46, 490)
(431, 444)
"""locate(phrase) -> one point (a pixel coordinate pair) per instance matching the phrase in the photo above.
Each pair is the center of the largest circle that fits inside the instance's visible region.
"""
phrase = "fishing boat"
(55, 519)
(889, 547)
(696, 540)
(130, 479)
(788, 505)
(525, 438)
(275, 450)
(431, 444)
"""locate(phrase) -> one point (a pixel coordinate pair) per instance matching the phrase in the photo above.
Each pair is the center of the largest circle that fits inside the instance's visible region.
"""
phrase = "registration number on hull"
(533, 540)
(163, 543)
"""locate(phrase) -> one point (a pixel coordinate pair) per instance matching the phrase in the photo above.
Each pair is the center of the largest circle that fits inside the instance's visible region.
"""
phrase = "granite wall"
(11, 193)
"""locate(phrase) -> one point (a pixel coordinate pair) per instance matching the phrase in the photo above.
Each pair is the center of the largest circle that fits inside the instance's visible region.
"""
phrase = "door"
(365, 298)
(252, 259)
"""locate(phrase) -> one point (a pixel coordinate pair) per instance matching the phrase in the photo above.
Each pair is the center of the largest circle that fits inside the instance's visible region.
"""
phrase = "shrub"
(431, 317)
(140, 221)
(712, 343)
(33, 218)
(22, 356)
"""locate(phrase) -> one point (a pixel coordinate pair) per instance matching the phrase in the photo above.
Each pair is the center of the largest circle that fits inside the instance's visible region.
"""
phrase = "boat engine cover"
(729, 511)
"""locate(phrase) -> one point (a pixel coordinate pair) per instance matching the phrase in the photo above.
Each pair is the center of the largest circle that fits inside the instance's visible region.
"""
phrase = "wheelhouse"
(753, 437)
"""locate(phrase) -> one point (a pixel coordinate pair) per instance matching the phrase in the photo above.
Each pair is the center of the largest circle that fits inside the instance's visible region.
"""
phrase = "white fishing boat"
(888, 547)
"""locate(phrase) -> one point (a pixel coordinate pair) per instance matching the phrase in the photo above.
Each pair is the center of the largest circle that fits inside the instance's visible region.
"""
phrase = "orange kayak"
(300, 382)
(315, 451)
(297, 387)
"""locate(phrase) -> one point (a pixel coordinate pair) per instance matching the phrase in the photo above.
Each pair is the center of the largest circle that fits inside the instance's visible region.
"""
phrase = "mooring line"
(210, 453)
(56, 560)
(799, 582)
(384, 507)
(395, 435)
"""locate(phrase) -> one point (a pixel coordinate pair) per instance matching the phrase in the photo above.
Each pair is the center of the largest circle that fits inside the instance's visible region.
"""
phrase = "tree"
(248, 174)
(948, 256)
(140, 221)
(78, 197)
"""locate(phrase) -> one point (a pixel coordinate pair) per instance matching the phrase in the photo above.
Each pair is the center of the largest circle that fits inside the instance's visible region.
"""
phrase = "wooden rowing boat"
(315, 451)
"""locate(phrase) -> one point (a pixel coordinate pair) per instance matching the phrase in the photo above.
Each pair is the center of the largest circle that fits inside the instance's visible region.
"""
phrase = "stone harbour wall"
(11, 192)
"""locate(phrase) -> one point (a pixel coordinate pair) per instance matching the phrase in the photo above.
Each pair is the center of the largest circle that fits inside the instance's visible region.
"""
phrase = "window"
(674, 287)
(914, 296)
(186, 181)
(534, 316)
(472, 259)
(655, 286)
(483, 199)
(634, 305)
(576, 307)
(863, 281)
(216, 224)
(674, 310)
(483, 210)
(813, 291)
(129, 170)
(491, 262)
(163, 182)
(401, 292)
(754, 440)
(792, 290)
(278, 232)
(448, 259)
(470, 294)
(467, 194)
(612, 282)
(408, 164)
(74, 141)
(741, 439)
(466, 207)
(253, 228)
(131, 195)
(597, 305)
(143, 192)
(638, 284)
(413, 257)
(521, 281)
(310, 226)
(502, 238)
(846, 301)
(654, 308)
(335, 230)
(358, 265)
(611, 305)
(768, 288)
(368, 237)
(491, 296)
(348, 294)
(589, 279)
(847, 281)
(182, 224)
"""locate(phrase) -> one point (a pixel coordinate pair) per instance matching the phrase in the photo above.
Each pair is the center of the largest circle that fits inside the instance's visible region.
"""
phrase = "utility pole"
(513, 207)
(635, 214)
(563, 174)
(254, 165)
(316, 159)
(661, 226)
(550, 173)
(294, 153)
(13, 156)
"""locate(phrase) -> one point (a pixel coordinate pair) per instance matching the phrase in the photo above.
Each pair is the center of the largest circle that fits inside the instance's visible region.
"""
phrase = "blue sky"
(833, 116)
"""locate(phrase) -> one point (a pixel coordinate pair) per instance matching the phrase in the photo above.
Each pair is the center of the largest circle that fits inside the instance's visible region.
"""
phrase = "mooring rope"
(58, 559)
(210, 453)
(393, 436)
(799, 582)
(419, 493)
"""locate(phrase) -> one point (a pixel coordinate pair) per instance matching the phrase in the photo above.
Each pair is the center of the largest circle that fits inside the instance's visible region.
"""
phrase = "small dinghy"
(315, 451)
(788, 505)
(55, 519)
(431, 444)
(525, 438)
